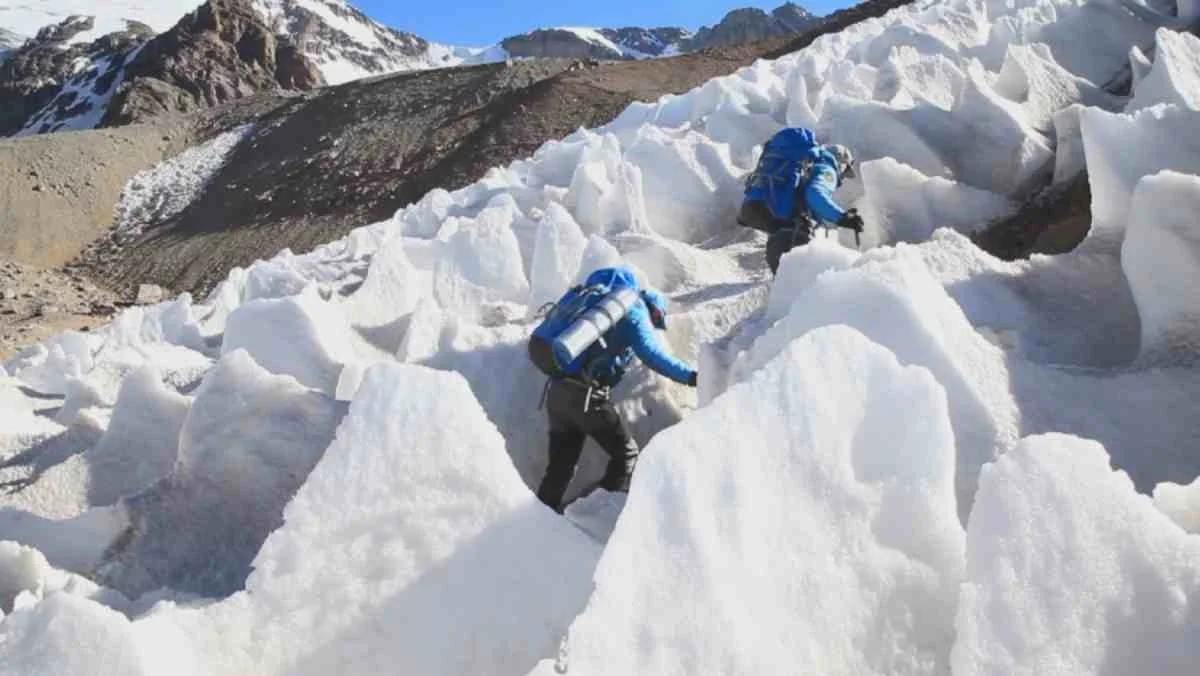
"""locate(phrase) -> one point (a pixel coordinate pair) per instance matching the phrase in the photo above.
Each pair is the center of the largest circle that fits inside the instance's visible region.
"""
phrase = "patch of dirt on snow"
(1054, 221)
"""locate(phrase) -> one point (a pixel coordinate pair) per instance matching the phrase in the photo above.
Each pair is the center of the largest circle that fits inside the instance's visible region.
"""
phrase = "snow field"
(1160, 258)
(807, 507)
(136, 448)
(1174, 74)
(1161, 134)
(1108, 584)
(249, 441)
(415, 506)
(890, 297)
(703, 572)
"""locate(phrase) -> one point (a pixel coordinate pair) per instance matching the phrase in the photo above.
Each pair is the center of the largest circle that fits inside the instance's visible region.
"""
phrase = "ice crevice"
(914, 458)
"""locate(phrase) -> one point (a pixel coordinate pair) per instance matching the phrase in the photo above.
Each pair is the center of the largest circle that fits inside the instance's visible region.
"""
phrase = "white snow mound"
(1161, 259)
(1070, 571)
(803, 487)
(414, 547)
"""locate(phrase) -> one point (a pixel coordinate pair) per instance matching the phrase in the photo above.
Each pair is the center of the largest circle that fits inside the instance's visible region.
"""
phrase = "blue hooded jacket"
(822, 182)
(779, 177)
(633, 336)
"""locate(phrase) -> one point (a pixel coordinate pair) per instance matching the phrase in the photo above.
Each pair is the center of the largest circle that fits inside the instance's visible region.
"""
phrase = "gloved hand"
(852, 221)
(693, 379)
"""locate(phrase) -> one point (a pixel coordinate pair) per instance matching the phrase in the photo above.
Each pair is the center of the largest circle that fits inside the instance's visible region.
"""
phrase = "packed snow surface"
(788, 457)
(1108, 584)
(913, 458)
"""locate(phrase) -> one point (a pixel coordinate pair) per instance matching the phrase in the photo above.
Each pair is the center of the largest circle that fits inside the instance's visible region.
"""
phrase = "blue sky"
(484, 22)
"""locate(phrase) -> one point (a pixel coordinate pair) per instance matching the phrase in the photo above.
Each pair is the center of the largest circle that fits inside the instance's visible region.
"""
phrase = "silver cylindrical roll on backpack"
(592, 324)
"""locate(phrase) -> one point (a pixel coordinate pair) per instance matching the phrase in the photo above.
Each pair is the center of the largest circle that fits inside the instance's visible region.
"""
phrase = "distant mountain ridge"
(739, 26)
(132, 60)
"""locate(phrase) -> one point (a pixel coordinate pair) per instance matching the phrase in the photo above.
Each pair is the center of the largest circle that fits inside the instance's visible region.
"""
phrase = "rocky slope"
(36, 304)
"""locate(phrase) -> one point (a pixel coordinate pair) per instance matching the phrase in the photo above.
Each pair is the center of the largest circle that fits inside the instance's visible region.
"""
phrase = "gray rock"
(8, 294)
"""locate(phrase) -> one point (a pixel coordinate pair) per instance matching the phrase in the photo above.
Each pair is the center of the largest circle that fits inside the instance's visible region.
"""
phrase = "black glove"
(852, 221)
(692, 380)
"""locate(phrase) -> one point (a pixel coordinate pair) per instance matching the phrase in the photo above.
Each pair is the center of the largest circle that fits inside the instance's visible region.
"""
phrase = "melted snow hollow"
(912, 459)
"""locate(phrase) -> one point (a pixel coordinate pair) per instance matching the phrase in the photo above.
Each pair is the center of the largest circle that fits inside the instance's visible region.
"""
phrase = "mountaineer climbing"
(585, 344)
(791, 190)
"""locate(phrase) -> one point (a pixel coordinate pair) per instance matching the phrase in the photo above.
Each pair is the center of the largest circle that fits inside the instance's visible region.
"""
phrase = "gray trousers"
(570, 426)
(782, 236)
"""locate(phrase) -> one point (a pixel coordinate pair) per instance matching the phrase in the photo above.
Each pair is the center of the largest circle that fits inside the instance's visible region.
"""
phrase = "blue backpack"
(786, 159)
(570, 335)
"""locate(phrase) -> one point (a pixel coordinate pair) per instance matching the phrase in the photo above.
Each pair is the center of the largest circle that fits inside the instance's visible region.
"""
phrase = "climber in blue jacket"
(581, 405)
(791, 191)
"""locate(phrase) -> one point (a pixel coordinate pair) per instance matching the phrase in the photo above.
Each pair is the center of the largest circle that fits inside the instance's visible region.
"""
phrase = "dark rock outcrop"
(222, 51)
(34, 78)
(557, 43)
(742, 26)
(794, 17)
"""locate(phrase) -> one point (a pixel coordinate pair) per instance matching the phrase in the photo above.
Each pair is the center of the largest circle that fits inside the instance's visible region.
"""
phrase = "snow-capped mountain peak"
(346, 44)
